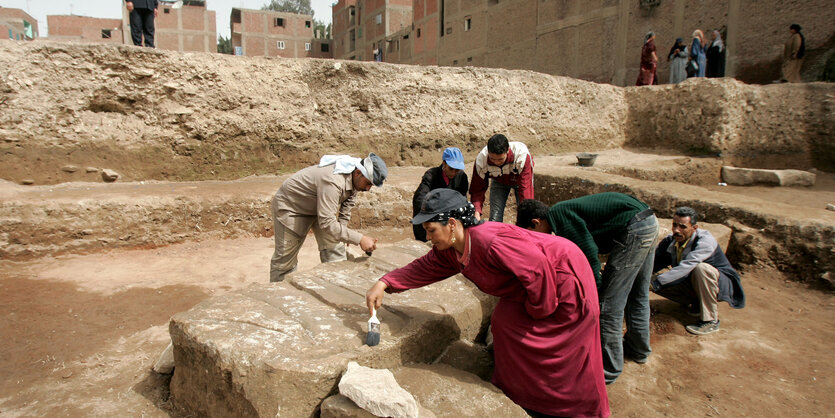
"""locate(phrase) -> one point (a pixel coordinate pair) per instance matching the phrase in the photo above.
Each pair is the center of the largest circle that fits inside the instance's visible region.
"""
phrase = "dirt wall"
(151, 114)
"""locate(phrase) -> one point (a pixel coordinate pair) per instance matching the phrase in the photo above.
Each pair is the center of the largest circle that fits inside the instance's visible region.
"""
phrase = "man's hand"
(374, 296)
(129, 5)
(368, 244)
(156, 12)
(477, 215)
(654, 286)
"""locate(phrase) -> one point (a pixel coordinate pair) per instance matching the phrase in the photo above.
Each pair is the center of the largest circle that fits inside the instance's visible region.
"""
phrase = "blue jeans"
(624, 291)
(498, 199)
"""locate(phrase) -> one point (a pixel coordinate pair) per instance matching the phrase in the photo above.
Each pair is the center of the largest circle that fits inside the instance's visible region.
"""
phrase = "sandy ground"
(81, 333)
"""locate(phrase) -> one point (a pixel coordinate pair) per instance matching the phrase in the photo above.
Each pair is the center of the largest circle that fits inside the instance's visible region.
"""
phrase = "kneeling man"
(700, 276)
(321, 197)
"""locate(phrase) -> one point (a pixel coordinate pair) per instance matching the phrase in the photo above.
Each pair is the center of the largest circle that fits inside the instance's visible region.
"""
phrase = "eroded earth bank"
(96, 277)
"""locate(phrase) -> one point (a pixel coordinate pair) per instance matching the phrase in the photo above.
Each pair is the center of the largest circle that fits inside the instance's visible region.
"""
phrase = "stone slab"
(738, 176)
(470, 357)
(280, 348)
(442, 390)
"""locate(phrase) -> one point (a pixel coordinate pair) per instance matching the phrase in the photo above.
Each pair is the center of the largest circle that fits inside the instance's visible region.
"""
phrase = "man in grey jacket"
(700, 276)
(321, 197)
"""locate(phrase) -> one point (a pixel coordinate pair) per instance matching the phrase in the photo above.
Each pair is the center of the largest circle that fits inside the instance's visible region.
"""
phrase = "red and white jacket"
(517, 170)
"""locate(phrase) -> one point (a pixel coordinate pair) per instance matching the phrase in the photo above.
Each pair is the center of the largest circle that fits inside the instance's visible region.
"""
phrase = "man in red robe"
(546, 334)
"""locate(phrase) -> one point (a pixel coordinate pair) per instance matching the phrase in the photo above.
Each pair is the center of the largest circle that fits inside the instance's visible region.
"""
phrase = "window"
(468, 23)
(418, 34)
(454, 62)
(105, 33)
(378, 19)
(448, 31)
(11, 35)
(326, 48)
(307, 23)
(307, 46)
(278, 22)
(279, 44)
(469, 59)
(166, 10)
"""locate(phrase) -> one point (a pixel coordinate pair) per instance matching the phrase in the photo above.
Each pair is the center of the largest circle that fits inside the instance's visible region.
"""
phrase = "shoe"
(640, 360)
(704, 327)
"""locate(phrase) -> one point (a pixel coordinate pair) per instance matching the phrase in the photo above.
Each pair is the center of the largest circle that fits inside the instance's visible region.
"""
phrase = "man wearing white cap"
(450, 174)
(321, 197)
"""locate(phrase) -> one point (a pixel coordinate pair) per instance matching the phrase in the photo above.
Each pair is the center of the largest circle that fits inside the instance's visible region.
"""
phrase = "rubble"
(377, 391)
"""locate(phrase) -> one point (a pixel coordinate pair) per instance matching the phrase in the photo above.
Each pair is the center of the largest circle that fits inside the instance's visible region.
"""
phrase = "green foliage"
(325, 31)
(291, 6)
(224, 45)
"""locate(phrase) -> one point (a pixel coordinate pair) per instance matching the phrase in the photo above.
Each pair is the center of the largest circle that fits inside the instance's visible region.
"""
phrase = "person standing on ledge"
(321, 197)
(450, 174)
(142, 15)
(510, 166)
(793, 53)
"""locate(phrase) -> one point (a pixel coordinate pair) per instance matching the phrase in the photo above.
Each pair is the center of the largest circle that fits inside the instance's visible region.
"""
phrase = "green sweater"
(594, 222)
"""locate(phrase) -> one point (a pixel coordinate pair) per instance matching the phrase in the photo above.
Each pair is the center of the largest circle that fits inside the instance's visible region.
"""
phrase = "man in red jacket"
(510, 166)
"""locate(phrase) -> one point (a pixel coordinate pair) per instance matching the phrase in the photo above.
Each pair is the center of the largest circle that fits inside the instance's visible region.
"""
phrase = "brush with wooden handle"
(373, 336)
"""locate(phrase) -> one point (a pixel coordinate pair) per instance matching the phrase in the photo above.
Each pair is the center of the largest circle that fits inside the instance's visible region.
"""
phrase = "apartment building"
(17, 25)
(276, 34)
(362, 28)
(84, 29)
(596, 40)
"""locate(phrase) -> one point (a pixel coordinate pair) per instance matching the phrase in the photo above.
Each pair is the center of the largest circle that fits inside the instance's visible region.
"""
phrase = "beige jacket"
(316, 192)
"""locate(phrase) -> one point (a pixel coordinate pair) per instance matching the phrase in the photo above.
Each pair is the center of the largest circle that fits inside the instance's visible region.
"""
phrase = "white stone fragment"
(165, 364)
(376, 391)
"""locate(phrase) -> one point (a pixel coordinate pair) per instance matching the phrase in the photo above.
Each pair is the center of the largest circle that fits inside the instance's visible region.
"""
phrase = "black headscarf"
(465, 214)
(678, 45)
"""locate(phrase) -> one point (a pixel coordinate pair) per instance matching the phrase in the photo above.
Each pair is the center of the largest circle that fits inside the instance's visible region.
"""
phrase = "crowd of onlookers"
(703, 58)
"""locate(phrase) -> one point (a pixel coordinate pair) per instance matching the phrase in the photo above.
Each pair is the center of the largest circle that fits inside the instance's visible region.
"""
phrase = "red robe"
(546, 330)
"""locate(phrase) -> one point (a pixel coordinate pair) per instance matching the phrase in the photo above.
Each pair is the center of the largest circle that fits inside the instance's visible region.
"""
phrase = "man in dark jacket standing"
(142, 14)
(450, 174)
(700, 276)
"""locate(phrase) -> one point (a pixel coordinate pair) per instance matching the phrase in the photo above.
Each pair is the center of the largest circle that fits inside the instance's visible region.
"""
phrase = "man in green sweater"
(626, 229)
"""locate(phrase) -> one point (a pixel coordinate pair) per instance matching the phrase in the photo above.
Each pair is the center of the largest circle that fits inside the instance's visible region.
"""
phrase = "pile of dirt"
(163, 115)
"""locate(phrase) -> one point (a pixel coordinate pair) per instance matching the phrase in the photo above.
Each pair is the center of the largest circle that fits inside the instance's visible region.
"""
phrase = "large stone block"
(440, 389)
(737, 176)
(280, 348)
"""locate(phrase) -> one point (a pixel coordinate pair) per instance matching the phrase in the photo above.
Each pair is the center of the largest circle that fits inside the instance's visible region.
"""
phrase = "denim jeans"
(498, 199)
(625, 292)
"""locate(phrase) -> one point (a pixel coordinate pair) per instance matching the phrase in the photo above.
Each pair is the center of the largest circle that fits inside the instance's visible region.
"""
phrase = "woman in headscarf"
(716, 56)
(697, 52)
(649, 62)
(793, 53)
(546, 331)
(678, 60)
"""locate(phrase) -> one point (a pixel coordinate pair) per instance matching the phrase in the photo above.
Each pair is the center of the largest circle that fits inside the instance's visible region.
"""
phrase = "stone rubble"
(376, 391)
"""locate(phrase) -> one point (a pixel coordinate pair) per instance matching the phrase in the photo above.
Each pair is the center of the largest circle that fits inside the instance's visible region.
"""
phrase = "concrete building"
(185, 25)
(17, 25)
(597, 40)
(84, 29)
(361, 27)
(276, 34)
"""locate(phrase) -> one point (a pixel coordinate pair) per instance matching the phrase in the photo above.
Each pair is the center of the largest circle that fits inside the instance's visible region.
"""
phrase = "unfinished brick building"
(597, 40)
(17, 25)
(276, 34)
(84, 29)
(362, 28)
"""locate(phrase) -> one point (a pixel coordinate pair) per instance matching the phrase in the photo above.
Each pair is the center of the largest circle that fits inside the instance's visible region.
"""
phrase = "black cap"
(439, 201)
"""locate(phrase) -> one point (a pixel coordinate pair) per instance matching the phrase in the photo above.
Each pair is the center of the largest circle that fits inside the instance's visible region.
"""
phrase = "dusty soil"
(82, 332)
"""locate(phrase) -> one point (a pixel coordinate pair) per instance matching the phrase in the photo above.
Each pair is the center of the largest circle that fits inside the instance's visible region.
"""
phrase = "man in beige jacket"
(321, 197)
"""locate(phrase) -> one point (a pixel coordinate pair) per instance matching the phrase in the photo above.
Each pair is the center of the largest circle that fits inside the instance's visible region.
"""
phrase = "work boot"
(704, 327)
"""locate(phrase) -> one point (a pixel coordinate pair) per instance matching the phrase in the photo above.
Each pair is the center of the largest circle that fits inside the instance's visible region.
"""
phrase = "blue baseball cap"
(454, 158)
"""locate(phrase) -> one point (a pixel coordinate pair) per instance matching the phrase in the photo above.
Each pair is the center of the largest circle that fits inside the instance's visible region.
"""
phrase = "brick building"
(361, 27)
(596, 40)
(84, 29)
(276, 34)
(17, 25)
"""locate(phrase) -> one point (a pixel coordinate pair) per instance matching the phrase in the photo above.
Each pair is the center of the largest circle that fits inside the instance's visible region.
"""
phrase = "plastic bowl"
(585, 159)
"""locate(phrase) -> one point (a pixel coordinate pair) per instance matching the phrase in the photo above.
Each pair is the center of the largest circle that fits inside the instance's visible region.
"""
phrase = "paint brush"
(373, 336)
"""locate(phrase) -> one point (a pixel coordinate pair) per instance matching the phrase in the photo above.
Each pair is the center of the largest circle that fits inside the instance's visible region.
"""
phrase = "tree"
(224, 45)
(291, 6)
(324, 31)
